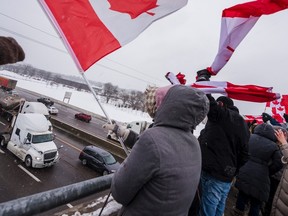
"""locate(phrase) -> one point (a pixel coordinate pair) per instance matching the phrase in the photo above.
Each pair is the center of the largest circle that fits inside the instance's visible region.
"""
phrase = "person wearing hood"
(224, 147)
(253, 182)
(161, 174)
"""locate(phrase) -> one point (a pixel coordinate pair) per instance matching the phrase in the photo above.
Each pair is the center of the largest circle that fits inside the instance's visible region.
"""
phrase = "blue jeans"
(214, 194)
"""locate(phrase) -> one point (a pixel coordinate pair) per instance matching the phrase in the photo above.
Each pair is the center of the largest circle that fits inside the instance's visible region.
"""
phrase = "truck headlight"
(38, 158)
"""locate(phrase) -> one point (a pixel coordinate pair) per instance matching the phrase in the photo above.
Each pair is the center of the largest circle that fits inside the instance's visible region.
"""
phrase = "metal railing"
(47, 200)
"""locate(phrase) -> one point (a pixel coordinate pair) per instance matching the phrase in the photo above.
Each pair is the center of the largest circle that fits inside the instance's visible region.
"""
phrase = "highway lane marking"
(68, 144)
(69, 205)
(29, 173)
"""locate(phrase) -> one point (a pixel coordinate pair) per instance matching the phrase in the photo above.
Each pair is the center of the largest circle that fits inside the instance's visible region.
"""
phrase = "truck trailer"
(7, 84)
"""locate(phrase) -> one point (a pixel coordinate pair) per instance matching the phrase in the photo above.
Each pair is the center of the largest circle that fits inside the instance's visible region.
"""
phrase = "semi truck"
(29, 132)
(29, 138)
(137, 126)
(7, 84)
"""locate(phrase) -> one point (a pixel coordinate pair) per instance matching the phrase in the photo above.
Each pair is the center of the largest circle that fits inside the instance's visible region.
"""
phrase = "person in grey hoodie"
(161, 174)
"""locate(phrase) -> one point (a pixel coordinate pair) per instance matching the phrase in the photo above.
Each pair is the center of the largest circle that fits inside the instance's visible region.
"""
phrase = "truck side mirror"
(26, 141)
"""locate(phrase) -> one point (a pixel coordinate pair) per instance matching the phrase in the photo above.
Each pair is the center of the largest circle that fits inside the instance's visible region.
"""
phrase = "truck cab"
(32, 141)
(138, 126)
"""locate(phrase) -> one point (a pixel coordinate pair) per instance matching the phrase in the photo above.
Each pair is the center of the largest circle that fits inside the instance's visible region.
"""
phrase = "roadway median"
(115, 149)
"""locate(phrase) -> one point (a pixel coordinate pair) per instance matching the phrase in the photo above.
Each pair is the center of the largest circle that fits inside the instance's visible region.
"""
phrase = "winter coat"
(280, 202)
(224, 142)
(265, 160)
(161, 174)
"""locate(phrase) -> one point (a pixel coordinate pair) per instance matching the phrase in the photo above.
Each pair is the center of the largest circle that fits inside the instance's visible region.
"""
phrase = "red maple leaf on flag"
(276, 102)
(133, 7)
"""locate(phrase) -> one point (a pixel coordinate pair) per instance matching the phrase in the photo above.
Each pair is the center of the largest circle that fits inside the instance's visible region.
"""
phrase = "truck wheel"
(28, 161)
(105, 172)
(3, 144)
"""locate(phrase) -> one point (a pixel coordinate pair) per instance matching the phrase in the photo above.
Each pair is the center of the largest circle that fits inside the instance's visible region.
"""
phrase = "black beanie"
(228, 102)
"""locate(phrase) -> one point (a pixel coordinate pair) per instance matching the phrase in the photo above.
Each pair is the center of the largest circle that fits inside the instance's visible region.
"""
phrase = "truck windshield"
(42, 138)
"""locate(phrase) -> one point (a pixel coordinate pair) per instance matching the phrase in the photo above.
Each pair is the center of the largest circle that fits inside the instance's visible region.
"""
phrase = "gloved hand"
(203, 75)
(119, 130)
(266, 117)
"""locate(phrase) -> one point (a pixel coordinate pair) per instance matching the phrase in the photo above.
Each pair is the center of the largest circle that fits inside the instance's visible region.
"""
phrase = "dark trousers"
(243, 199)
(268, 205)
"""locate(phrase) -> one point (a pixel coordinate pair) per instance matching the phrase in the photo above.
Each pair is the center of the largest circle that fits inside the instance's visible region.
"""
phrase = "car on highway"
(83, 117)
(46, 101)
(99, 159)
(52, 110)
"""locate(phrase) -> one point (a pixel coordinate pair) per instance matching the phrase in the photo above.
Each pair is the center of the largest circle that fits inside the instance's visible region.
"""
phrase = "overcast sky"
(185, 41)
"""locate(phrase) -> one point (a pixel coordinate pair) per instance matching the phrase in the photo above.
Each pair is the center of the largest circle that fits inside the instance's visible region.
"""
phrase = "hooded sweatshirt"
(161, 174)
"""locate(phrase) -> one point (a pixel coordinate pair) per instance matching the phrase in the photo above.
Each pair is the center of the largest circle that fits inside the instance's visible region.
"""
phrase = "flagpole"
(105, 113)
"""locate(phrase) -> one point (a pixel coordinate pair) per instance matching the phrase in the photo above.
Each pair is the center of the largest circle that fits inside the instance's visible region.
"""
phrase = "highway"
(18, 181)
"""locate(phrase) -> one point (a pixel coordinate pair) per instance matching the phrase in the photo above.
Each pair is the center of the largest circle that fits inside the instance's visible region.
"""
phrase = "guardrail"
(47, 200)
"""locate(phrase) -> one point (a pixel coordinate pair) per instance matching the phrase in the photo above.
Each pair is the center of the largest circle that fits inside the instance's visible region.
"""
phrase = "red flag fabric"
(279, 107)
(284, 101)
(236, 23)
(250, 118)
(92, 29)
(252, 93)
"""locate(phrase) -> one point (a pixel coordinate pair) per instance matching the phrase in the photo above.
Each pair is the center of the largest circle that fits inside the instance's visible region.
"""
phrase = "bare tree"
(110, 91)
(124, 96)
(136, 100)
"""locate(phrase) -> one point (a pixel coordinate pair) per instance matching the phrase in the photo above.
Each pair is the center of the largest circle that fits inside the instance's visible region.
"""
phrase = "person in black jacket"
(224, 147)
(253, 180)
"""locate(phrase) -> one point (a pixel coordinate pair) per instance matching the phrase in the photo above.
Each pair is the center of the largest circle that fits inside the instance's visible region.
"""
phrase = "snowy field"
(83, 100)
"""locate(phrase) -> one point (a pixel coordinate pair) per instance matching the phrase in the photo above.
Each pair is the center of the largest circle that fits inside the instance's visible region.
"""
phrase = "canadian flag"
(252, 93)
(250, 118)
(92, 29)
(279, 107)
(236, 23)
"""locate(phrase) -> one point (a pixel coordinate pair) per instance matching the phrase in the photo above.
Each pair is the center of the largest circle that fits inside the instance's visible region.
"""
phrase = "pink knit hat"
(160, 94)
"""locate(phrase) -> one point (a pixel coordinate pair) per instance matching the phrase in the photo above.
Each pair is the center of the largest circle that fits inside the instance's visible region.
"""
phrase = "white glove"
(109, 126)
(120, 131)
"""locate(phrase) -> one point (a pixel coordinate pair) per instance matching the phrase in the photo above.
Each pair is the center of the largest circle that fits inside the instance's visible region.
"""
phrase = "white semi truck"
(30, 138)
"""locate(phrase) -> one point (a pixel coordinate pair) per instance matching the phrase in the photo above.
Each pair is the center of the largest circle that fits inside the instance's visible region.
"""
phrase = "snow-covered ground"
(83, 100)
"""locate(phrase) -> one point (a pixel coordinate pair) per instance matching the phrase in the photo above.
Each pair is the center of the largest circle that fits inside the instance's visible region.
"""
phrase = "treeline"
(112, 93)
